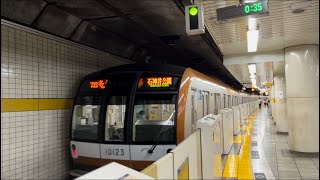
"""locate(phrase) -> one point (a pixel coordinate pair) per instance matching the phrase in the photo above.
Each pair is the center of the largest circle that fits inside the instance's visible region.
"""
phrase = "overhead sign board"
(254, 9)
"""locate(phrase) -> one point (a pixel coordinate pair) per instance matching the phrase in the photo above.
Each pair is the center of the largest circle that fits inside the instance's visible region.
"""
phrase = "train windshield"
(154, 111)
(86, 117)
(154, 118)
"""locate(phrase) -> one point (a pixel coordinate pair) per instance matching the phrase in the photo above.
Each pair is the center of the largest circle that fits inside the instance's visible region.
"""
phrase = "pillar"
(280, 104)
(302, 84)
(272, 103)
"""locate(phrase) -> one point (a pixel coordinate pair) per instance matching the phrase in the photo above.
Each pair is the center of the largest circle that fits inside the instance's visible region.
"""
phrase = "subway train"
(135, 114)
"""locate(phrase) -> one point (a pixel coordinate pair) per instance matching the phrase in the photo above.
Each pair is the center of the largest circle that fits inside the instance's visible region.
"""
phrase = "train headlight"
(74, 151)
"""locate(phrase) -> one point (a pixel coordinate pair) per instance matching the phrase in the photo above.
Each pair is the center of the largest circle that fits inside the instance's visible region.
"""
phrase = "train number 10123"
(115, 152)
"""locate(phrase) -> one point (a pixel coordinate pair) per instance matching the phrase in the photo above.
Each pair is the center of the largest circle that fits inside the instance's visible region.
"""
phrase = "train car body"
(135, 114)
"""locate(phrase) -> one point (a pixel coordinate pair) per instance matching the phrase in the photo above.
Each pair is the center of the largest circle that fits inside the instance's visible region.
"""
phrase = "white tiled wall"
(34, 144)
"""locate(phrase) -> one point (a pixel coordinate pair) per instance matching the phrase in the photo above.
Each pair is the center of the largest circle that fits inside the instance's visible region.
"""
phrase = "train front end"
(123, 117)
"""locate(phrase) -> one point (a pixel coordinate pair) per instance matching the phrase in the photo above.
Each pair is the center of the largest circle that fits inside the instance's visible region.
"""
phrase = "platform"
(270, 154)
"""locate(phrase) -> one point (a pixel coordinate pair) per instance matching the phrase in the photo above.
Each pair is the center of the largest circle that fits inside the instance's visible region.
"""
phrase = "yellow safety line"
(238, 139)
(18, 105)
(239, 166)
(231, 167)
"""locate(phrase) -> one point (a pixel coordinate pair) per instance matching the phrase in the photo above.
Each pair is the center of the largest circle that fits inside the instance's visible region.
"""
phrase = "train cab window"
(115, 115)
(86, 117)
(154, 118)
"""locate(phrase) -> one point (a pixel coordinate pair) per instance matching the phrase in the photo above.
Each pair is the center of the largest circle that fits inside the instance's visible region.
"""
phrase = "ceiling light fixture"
(252, 35)
(252, 39)
(249, 1)
(252, 68)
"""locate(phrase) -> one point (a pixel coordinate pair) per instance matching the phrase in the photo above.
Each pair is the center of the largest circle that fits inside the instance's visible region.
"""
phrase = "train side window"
(217, 103)
(222, 101)
(232, 103)
(225, 102)
(235, 100)
(115, 116)
(206, 99)
(229, 101)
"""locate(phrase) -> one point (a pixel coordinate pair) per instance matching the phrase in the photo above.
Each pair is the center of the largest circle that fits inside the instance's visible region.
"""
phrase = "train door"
(193, 111)
(115, 145)
(205, 103)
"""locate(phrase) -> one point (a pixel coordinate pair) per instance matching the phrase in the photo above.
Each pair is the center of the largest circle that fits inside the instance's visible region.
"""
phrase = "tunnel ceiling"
(132, 29)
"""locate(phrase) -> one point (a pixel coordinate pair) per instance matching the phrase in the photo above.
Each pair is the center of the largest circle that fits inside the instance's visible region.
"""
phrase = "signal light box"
(194, 19)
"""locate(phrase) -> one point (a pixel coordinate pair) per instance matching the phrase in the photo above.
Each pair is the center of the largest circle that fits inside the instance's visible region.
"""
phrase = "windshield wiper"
(162, 133)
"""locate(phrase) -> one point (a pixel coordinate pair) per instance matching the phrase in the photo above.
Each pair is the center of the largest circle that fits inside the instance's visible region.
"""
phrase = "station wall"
(40, 74)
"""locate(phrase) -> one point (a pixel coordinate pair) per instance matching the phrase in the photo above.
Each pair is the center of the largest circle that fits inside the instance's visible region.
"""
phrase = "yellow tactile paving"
(239, 166)
(231, 167)
(244, 127)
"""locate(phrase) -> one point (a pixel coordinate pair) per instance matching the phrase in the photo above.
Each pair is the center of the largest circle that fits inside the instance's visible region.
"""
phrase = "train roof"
(143, 67)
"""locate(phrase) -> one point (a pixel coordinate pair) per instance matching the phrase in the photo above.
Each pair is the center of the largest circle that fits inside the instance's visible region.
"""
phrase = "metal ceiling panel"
(135, 29)
(94, 36)
(157, 16)
(84, 9)
(280, 29)
(23, 11)
(125, 29)
(57, 21)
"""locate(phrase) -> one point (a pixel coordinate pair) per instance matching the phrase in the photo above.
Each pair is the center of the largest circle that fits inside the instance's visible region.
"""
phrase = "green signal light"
(193, 11)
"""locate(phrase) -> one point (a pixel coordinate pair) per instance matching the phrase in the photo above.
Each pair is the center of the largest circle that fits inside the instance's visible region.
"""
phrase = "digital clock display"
(253, 8)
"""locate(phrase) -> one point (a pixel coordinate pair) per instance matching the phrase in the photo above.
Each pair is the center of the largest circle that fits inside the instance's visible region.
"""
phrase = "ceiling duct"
(299, 7)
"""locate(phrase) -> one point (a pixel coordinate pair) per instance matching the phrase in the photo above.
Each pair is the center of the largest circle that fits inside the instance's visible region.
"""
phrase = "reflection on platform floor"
(260, 153)
(275, 159)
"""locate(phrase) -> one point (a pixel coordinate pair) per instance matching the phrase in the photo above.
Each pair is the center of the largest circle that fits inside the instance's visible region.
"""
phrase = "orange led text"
(159, 81)
(100, 84)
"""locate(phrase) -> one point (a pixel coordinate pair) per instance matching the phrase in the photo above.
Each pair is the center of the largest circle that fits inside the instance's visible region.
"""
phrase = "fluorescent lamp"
(252, 40)
(252, 24)
(249, 1)
(252, 68)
